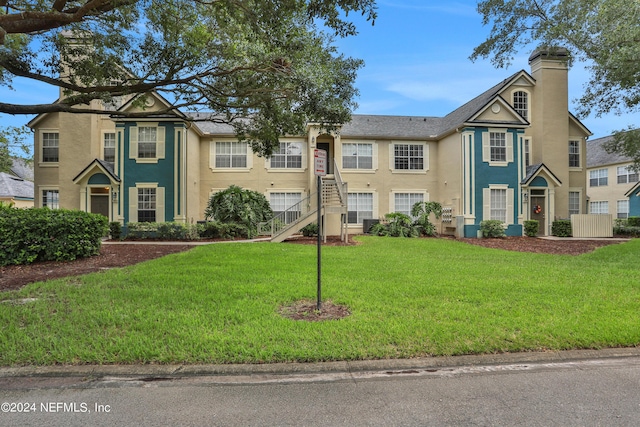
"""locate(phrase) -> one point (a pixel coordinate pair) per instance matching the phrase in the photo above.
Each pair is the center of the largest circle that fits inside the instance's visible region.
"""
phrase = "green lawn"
(408, 298)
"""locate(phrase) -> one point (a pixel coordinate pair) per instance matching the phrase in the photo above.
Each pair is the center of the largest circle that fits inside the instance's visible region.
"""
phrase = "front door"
(538, 212)
(326, 146)
(100, 204)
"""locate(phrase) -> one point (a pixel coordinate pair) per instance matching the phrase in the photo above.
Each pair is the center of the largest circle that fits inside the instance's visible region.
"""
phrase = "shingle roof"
(380, 126)
(597, 156)
(22, 169)
(13, 186)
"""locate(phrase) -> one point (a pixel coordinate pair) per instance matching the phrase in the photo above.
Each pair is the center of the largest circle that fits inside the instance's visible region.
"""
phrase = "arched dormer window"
(521, 103)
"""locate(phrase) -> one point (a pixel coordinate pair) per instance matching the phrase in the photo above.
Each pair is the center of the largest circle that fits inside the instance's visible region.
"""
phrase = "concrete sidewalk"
(298, 369)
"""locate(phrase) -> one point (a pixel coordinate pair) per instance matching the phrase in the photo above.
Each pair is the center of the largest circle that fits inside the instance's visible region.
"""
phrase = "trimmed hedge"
(531, 228)
(561, 228)
(163, 231)
(42, 234)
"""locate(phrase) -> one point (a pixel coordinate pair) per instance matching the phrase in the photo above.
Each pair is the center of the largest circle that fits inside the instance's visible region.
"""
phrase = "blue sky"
(416, 63)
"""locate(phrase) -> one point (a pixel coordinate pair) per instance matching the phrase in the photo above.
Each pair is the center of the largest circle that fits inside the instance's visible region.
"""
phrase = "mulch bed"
(120, 255)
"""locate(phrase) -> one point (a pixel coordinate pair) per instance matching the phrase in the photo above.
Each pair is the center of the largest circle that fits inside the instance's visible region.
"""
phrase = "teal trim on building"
(634, 204)
(160, 172)
(487, 175)
(539, 181)
(99, 179)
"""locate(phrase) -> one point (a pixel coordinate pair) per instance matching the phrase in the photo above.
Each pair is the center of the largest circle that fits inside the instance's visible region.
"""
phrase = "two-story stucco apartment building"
(612, 187)
(513, 153)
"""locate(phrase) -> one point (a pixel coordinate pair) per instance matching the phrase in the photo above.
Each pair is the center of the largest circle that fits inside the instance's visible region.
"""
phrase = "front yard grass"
(407, 297)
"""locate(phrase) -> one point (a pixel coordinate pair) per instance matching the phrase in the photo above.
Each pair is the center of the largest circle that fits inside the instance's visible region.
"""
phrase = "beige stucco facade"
(488, 159)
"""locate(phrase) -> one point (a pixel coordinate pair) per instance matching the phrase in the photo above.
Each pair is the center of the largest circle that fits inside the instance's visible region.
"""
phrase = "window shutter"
(133, 204)
(509, 148)
(426, 157)
(374, 160)
(486, 147)
(133, 142)
(160, 142)
(160, 204)
(212, 155)
(486, 204)
(510, 207)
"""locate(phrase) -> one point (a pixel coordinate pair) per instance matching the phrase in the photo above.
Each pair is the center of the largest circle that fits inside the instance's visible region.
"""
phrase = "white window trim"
(486, 202)
(519, 89)
(374, 160)
(133, 200)
(486, 147)
(160, 143)
(425, 157)
(267, 160)
(41, 162)
(102, 147)
(600, 203)
(618, 208)
(606, 175)
(392, 199)
(375, 202)
(212, 158)
(42, 188)
(580, 151)
(575, 190)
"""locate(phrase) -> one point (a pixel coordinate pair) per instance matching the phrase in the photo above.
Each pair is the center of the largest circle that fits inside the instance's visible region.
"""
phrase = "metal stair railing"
(287, 218)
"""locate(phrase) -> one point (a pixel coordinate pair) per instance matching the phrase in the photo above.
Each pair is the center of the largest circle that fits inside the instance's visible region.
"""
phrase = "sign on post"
(320, 162)
(319, 170)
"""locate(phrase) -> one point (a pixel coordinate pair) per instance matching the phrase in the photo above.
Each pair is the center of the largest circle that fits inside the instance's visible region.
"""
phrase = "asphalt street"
(579, 388)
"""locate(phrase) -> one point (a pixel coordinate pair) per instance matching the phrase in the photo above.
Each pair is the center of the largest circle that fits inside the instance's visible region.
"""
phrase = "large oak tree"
(604, 33)
(265, 66)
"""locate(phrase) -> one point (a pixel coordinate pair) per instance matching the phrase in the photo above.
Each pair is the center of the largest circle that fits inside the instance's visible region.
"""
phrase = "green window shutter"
(486, 147)
(133, 142)
(160, 142)
(486, 204)
(160, 204)
(133, 204)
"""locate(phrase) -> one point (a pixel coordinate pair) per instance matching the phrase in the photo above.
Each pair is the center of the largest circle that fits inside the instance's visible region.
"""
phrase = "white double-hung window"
(147, 143)
(360, 207)
(230, 155)
(288, 156)
(498, 203)
(497, 147)
(357, 156)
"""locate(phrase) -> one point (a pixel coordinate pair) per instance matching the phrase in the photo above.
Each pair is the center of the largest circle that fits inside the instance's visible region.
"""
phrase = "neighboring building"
(610, 182)
(16, 187)
(513, 153)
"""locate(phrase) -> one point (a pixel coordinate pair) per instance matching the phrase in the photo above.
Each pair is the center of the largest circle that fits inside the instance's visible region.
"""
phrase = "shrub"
(621, 227)
(163, 230)
(492, 228)
(561, 228)
(633, 221)
(142, 230)
(43, 234)
(396, 224)
(239, 206)
(531, 228)
(422, 210)
(115, 230)
(310, 230)
(221, 230)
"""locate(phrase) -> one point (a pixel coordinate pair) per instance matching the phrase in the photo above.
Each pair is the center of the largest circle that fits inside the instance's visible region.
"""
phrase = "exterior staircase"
(305, 212)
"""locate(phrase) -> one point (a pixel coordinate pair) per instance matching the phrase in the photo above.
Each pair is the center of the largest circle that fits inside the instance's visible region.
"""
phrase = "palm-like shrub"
(240, 206)
(421, 211)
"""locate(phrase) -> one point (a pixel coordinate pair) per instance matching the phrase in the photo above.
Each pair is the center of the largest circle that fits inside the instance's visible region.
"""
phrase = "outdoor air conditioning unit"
(368, 223)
